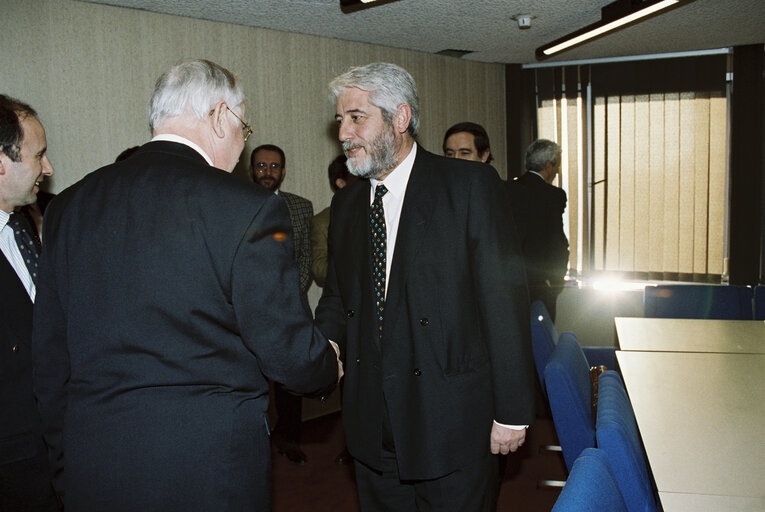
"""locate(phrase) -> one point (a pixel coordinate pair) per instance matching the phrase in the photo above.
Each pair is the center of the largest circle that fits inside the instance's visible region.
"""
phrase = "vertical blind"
(644, 164)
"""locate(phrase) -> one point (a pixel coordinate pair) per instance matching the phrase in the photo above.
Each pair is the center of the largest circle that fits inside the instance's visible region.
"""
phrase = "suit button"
(15, 348)
(350, 313)
(323, 399)
(424, 322)
(417, 372)
(358, 362)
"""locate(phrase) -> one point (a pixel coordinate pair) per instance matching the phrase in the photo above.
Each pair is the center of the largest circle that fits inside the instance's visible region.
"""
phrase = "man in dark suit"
(426, 295)
(545, 246)
(25, 478)
(268, 169)
(169, 295)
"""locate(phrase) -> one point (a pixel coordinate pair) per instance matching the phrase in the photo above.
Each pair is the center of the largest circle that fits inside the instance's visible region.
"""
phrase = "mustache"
(349, 146)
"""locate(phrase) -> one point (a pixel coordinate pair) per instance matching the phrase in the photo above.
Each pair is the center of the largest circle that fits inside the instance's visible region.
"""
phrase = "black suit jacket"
(20, 433)
(169, 293)
(455, 353)
(545, 245)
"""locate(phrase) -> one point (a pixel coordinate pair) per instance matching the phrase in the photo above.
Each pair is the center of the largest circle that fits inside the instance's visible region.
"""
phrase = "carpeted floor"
(323, 486)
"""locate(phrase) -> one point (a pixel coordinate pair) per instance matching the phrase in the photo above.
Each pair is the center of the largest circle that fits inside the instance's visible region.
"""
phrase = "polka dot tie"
(29, 244)
(378, 237)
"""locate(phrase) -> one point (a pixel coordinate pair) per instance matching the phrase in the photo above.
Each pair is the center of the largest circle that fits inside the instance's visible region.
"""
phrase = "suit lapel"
(416, 218)
(12, 285)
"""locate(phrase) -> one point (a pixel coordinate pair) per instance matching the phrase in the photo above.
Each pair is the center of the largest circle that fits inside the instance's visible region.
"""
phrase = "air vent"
(454, 53)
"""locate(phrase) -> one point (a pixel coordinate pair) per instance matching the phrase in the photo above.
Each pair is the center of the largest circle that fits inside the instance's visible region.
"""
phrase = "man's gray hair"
(196, 85)
(540, 152)
(388, 85)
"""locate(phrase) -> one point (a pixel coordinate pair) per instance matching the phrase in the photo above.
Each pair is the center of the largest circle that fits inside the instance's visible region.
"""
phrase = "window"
(644, 164)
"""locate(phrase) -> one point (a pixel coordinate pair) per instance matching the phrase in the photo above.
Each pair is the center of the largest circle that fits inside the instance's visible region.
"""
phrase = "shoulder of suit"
(454, 168)
(288, 196)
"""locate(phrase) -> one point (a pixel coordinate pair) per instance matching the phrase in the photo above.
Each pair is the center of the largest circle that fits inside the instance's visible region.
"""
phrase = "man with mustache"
(25, 478)
(426, 296)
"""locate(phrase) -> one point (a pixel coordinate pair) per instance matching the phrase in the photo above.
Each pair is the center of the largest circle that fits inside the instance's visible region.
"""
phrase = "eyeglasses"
(261, 167)
(246, 128)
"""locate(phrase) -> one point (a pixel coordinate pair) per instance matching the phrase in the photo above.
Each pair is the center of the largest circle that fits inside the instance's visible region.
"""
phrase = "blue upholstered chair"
(567, 378)
(759, 302)
(698, 301)
(617, 435)
(544, 337)
(591, 486)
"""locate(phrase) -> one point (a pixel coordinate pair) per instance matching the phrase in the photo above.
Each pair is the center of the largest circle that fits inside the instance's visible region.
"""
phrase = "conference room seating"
(720, 302)
(759, 302)
(591, 486)
(617, 435)
(544, 337)
(569, 391)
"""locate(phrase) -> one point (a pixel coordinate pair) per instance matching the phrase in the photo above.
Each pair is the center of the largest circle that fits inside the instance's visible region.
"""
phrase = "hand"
(504, 440)
(340, 371)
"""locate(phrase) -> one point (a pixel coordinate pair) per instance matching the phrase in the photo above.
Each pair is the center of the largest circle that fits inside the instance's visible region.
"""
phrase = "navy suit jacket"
(455, 351)
(169, 294)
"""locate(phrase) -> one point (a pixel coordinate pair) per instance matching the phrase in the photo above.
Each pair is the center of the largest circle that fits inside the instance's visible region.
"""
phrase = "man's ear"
(485, 155)
(402, 118)
(3, 158)
(217, 116)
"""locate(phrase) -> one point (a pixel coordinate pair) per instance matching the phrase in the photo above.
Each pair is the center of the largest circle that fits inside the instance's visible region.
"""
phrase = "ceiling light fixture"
(613, 16)
(348, 6)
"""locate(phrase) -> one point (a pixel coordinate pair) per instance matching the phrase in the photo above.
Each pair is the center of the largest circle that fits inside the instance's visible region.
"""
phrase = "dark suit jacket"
(455, 353)
(169, 294)
(545, 245)
(20, 433)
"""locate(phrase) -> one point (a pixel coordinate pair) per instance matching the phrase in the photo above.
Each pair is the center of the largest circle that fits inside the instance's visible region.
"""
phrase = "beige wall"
(89, 71)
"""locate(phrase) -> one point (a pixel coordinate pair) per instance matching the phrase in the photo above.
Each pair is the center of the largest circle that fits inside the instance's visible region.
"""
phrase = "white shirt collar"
(397, 180)
(171, 137)
(4, 217)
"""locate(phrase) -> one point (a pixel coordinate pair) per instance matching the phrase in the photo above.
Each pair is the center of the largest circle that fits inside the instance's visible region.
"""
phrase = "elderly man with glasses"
(155, 331)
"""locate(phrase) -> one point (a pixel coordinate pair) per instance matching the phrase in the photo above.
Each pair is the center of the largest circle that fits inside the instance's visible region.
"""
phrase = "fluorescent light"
(609, 26)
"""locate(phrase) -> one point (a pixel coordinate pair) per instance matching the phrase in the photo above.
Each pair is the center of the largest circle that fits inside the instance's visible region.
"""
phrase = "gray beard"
(381, 156)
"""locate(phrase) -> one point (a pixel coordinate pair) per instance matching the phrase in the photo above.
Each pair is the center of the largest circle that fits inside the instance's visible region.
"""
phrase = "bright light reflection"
(614, 284)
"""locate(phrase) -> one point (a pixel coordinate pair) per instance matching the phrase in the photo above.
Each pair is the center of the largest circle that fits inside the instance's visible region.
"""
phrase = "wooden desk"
(683, 335)
(702, 420)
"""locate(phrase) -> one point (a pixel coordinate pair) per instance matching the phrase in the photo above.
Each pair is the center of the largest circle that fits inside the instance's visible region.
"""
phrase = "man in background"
(268, 169)
(155, 327)
(545, 246)
(339, 177)
(426, 296)
(468, 141)
(25, 477)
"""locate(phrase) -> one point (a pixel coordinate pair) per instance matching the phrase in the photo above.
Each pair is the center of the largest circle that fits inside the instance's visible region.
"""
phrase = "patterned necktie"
(378, 238)
(29, 244)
